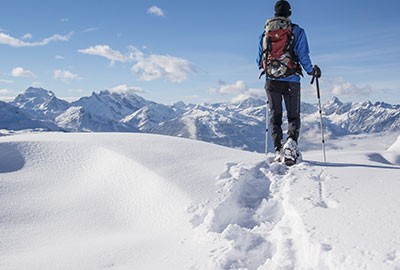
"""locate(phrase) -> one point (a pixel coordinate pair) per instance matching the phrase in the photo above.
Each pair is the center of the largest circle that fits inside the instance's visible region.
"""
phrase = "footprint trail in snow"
(253, 223)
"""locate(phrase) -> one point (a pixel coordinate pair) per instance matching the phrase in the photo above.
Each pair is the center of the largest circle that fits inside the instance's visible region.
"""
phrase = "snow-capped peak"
(335, 100)
(332, 106)
(33, 95)
(40, 103)
(38, 92)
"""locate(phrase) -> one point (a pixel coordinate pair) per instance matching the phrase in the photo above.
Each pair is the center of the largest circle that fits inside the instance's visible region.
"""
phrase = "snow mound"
(393, 153)
(396, 146)
(80, 196)
(97, 201)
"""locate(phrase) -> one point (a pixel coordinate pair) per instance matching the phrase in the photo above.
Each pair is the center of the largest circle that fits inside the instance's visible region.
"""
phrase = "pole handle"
(318, 93)
(317, 82)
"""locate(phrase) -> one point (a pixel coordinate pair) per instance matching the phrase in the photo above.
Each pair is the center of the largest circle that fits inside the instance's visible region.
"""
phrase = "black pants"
(290, 92)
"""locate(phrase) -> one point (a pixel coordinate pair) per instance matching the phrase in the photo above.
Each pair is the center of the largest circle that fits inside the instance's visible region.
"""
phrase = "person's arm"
(260, 49)
(302, 50)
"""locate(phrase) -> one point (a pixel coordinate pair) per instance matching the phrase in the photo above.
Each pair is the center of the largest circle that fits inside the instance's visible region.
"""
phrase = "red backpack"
(278, 57)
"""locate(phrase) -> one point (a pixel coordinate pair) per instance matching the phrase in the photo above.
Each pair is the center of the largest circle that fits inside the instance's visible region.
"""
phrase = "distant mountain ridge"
(238, 124)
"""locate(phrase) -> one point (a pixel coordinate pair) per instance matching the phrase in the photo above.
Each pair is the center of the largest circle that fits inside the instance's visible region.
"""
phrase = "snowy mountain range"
(237, 124)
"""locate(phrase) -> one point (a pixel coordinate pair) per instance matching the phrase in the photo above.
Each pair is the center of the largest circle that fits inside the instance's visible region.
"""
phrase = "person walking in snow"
(283, 51)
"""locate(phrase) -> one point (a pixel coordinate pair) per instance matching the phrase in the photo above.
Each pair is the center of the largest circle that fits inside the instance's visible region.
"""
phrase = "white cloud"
(38, 84)
(239, 87)
(107, 52)
(7, 95)
(14, 42)
(75, 95)
(252, 92)
(7, 98)
(27, 36)
(5, 92)
(64, 75)
(5, 81)
(239, 90)
(70, 99)
(192, 97)
(75, 90)
(341, 87)
(124, 88)
(156, 66)
(59, 57)
(148, 68)
(154, 10)
(21, 72)
(91, 29)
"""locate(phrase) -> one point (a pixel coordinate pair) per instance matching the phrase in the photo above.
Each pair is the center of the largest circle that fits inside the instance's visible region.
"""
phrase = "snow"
(392, 155)
(396, 146)
(71, 118)
(141, 201)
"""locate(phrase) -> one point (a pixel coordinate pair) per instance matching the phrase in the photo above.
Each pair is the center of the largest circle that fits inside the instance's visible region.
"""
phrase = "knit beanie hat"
(282, 9)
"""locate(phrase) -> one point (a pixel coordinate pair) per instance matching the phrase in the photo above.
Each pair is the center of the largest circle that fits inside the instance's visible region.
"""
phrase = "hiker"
(283, 51)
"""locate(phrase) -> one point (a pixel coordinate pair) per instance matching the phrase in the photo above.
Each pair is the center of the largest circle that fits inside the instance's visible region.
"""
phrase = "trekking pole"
(320, 115)
(266, 126)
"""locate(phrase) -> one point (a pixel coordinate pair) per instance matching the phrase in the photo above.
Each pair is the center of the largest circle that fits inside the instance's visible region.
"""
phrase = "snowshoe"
(290, 153)
(278, 156)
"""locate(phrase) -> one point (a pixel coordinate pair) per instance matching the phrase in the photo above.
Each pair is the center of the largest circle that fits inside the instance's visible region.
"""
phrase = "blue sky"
(195, 51)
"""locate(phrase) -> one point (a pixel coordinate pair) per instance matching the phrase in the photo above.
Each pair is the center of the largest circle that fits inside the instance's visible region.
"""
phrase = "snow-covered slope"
(78, 119)
(140, 201)
(148, 118)
(13, 118)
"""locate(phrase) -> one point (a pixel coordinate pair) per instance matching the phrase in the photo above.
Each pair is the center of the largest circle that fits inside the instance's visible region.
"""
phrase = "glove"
(316, 72)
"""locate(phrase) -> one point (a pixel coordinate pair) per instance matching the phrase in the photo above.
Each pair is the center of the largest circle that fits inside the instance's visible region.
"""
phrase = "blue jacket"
(300, 49)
